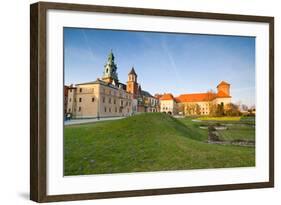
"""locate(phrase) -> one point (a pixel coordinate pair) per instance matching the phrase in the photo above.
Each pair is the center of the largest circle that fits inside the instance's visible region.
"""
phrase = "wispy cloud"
(165, 62)
(172, 61)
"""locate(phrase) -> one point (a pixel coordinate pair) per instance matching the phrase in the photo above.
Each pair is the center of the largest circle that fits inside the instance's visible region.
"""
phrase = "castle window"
(69, 99)
(80, 90)
(70, 90)
(103, 99)
(80, 99)
(79, 109)
(69, 110)
(104, 109)
(109, 109)
(93, 99)
(109, 100)
(114, 101)
(115, 109)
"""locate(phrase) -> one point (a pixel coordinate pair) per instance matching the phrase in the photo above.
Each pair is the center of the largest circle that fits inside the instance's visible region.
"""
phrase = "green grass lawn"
(146, 142)
(238, 128)
(238, 132)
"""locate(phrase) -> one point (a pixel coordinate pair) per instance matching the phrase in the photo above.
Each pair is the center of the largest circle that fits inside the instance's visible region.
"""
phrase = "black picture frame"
(38, 103)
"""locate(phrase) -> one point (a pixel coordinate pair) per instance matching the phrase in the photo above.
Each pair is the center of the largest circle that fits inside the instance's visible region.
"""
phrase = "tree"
(252, 110)
(211, 105)
(212, 109)
(188, 109)
(244, 107)
(197, 109)
(233, 110)
(181, 109)
(220, 110)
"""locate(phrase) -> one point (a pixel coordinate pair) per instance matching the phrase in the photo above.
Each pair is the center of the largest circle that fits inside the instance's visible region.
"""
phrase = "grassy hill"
(146, 142)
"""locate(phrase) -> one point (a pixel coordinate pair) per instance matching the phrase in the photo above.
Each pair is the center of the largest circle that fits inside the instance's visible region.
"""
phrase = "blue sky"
(175, 63)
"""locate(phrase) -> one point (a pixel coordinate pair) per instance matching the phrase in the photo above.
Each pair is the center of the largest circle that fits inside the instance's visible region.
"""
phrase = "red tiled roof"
(158, 96)
(222, 94)
(167, 96)
(196, 97)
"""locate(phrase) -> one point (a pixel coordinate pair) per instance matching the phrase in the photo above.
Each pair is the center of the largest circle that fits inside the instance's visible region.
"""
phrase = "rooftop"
(167, 96)
(133, 71)
(196, 97)
(223, 83)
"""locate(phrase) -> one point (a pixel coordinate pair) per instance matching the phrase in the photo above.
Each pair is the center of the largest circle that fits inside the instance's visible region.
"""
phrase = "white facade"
(168, 106)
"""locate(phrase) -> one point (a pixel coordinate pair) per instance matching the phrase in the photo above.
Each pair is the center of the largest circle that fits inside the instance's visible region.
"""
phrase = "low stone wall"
(213, 138)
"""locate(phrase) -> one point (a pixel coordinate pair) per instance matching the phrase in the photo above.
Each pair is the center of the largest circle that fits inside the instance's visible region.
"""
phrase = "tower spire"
(133, 72)
(110, 69)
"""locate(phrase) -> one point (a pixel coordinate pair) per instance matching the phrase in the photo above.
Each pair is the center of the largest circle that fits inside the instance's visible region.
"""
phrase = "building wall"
(70, 100)
(134, 106)
(168, 106)
(224, 88)
(86, 101)
(65, 92)
(151, 104)
(132, 87)
(97, 100)
(189, 108)
(83, 101)
(225, 101)
(115, 102)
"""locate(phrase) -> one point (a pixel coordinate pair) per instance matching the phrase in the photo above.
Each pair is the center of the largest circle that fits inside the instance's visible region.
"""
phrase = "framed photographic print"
(134, 102)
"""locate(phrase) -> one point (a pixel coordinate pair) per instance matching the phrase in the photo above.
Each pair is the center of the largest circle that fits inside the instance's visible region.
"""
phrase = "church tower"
(132, 84)
(110, 70)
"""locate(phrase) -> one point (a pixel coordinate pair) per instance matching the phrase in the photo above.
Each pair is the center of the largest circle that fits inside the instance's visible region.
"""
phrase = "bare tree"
(181, 108)
(197, 109)
(211, 105)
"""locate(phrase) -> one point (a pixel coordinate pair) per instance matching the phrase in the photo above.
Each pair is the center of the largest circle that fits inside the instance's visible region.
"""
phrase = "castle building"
(168, 104)
(196, 103)
(143, 101)
(107, 97)
(65, 98)
(132, 83)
